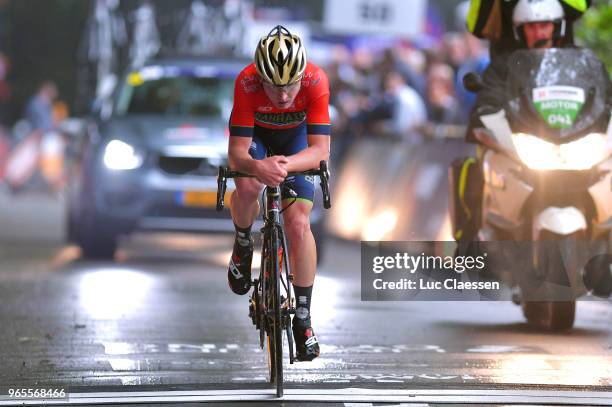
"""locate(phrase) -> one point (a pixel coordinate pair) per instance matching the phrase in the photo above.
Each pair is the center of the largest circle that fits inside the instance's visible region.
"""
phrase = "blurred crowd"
(404, 91)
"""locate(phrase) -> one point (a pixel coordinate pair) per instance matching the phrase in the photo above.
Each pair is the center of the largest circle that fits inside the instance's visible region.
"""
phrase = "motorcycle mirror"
(472, 82)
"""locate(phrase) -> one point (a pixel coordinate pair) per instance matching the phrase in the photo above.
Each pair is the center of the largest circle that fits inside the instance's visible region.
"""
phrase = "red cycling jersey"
(253, 108)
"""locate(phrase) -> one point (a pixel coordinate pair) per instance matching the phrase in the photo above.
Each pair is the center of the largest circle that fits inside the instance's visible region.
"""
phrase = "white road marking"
(354, 395)
(498, 349)
(387, 405)
(125, 348)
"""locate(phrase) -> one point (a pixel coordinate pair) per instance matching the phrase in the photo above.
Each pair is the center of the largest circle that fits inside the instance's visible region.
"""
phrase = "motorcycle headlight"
(581, 154)
(119, 155)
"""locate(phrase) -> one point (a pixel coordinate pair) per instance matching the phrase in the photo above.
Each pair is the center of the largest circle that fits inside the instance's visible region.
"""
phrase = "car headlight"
(581, 154)
(119, 155)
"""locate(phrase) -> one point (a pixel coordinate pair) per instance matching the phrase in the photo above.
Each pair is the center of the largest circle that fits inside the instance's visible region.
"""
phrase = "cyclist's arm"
(318, 128)
(239, 157)
(309, 158)
(241, 125)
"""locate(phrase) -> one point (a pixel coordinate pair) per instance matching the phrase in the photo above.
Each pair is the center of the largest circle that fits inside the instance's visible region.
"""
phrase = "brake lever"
(221, 187)
(324, 177)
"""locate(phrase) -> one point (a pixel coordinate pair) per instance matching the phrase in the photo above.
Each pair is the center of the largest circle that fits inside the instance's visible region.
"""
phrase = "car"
(149, 162)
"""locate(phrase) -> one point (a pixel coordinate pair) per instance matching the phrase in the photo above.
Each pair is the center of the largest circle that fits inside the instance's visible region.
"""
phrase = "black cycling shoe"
(306, 343)
(239, 271)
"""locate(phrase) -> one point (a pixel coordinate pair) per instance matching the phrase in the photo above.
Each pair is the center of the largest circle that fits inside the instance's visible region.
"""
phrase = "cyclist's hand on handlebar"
(272, 170)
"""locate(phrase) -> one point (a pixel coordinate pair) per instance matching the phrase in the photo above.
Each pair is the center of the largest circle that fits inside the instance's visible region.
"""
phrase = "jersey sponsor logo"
(311, 83)
(280, 119)
(310, 79)
(250, 83)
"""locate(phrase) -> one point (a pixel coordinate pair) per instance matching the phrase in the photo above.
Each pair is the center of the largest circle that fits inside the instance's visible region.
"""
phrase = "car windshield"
(180, 95)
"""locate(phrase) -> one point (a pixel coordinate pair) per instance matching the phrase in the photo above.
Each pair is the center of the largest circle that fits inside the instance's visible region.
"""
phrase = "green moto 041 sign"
(558, 105)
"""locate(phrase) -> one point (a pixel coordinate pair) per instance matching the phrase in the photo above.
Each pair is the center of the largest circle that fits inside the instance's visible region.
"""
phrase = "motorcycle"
(546, 172)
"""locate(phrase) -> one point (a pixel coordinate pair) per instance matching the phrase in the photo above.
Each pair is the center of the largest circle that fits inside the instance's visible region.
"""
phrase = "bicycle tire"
(276, 344)
(268, 305)
(287, 286)
(275, 339)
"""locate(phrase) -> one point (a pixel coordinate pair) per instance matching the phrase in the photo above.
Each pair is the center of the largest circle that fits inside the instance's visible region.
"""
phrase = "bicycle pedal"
(252, 312)
(285, 305)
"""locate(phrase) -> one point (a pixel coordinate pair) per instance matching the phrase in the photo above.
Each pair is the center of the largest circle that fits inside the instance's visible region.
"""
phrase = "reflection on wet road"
(162, 314)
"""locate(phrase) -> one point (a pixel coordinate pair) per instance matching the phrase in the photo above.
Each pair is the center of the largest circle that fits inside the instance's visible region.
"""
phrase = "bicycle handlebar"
(225, 173)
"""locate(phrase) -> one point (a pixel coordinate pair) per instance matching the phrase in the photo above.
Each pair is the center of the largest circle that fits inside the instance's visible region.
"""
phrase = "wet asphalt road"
(162, 317)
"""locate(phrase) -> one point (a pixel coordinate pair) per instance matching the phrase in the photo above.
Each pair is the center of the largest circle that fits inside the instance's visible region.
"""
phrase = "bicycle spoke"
(290, 341)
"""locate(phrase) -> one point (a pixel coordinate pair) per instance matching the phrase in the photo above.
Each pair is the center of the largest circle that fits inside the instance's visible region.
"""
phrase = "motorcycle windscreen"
(557, 93)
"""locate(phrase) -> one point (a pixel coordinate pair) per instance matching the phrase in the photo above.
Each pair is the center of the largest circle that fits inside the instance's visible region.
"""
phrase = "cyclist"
(509, 25)
(279, 124)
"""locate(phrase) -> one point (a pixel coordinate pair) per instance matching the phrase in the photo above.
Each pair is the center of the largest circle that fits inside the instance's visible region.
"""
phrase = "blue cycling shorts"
(284, 142)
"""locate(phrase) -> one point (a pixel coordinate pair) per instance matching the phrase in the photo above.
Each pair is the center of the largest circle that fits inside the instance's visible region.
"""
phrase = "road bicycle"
(272, 302)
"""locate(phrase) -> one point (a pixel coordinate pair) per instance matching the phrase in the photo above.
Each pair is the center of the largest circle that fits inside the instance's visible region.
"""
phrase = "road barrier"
(38, 151)
(393, 190)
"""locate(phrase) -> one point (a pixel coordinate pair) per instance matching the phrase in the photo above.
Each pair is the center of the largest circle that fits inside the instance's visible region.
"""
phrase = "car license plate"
(201, 199)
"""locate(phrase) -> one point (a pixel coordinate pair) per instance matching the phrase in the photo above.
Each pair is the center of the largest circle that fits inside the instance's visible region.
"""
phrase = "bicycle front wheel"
(275, 335)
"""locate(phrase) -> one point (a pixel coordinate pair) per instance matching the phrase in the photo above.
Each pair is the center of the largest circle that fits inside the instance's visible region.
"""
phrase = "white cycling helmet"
(532, 11)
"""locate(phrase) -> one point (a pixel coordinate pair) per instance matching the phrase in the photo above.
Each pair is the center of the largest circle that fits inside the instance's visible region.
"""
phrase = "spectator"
(407, 108)
(5, 90)
(39, 111)
(455, 50)
(390, 62)
(477, 61)
(443, 107)
(366, 76)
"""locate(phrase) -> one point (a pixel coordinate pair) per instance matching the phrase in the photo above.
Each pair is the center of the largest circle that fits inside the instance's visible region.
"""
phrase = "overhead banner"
(392, 17)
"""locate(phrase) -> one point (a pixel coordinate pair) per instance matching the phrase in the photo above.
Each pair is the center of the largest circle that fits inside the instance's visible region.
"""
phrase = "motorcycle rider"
(509, 25)
(492, 20)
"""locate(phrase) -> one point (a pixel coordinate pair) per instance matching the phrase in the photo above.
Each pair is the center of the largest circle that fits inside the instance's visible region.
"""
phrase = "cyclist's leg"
(244, 201)
(303, 260)
(244, 209)
(302, 251)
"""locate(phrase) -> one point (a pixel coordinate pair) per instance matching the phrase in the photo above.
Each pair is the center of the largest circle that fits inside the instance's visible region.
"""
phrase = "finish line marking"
(353, 395)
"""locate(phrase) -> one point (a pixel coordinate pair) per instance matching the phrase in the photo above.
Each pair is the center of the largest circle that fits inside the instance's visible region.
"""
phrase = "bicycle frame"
(271, 309)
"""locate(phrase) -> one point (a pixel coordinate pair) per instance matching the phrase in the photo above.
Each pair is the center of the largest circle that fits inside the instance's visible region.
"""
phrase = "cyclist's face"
(282, 96)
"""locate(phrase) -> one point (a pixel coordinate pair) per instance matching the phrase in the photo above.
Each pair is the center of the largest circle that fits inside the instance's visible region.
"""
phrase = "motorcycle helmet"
(280, 57)
(532, 11)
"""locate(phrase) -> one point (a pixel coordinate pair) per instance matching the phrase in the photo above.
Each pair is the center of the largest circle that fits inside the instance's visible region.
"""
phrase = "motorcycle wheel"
(554, 316)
